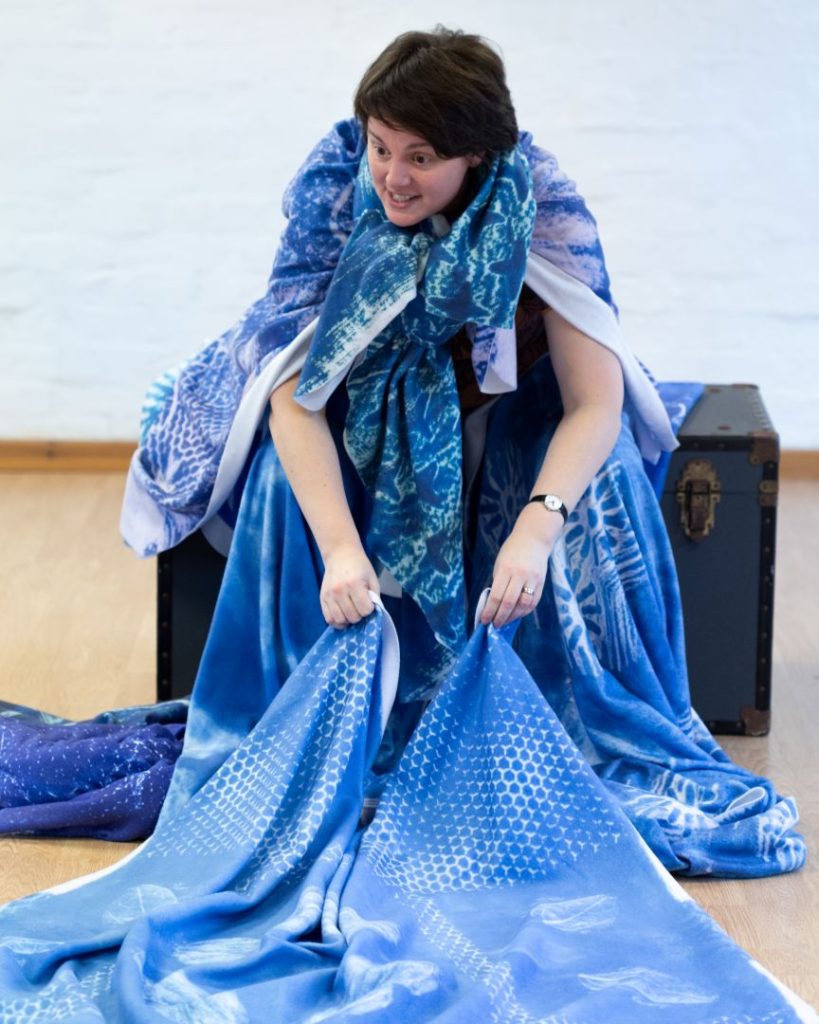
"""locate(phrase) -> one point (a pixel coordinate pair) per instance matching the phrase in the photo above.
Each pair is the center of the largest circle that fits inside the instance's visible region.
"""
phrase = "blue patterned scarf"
(397, 297)
(189, 411)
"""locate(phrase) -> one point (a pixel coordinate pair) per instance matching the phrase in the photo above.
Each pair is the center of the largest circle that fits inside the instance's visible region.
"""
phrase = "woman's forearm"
(581, 444)
(591, 387)
(309, 457)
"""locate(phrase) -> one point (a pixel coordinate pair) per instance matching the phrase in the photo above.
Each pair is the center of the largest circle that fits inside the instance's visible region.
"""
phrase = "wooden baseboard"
(65, 456)
(115, 456)
(799, 464)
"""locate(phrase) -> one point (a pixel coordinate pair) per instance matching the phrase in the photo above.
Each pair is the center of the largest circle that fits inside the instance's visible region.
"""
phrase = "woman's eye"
(422, 159)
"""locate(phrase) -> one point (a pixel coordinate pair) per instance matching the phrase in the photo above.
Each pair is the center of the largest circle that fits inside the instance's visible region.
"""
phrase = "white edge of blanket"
(284, 365)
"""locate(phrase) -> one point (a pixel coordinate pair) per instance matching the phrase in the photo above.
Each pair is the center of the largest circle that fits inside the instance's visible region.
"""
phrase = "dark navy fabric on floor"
(104, 778)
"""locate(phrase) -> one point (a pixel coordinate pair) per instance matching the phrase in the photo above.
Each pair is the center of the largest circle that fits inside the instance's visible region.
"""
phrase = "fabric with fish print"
(499, 880)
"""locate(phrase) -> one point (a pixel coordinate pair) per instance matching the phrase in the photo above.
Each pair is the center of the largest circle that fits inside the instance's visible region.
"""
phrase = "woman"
(434, 112)
(498, 877)
(416, 178)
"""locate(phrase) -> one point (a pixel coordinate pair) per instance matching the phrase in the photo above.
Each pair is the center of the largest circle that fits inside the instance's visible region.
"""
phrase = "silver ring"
(529, 590)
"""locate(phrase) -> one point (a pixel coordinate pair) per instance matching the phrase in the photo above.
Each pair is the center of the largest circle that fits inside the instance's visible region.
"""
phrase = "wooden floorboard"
(77, 635)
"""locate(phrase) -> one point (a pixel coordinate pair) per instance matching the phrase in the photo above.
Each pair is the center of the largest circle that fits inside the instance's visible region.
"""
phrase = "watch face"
(553, 502)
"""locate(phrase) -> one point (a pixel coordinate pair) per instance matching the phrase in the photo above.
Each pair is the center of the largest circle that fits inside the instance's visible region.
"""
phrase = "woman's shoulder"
(330, 165)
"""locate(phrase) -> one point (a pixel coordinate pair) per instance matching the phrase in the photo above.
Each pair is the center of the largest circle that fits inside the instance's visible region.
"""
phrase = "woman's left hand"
(522, 562)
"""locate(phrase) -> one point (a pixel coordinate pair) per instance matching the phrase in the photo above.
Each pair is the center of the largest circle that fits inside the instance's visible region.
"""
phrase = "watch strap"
(552, 502)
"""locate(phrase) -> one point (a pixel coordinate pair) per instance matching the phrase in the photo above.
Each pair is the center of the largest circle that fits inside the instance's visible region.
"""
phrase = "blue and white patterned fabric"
(397, 297)
(498, 881)
(530, 782)
(606, 646)
(199, 420)
(106, 777)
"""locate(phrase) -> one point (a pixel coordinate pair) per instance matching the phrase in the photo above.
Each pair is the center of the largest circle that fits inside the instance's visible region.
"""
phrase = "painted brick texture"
(146, 147)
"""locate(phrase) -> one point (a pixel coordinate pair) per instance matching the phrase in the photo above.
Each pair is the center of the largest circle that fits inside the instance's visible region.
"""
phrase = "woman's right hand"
(348, 575)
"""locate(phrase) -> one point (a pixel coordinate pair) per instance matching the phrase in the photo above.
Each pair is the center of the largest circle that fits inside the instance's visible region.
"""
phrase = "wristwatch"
(552, 502)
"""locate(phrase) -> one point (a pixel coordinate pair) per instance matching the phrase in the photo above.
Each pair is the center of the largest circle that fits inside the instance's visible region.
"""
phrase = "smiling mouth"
(400, 199)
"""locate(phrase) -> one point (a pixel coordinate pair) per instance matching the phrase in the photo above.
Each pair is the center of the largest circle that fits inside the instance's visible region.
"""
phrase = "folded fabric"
(106, 777)
(498, 881)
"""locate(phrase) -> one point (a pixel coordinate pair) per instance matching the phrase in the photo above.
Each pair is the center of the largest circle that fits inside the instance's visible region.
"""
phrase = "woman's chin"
(403, 221)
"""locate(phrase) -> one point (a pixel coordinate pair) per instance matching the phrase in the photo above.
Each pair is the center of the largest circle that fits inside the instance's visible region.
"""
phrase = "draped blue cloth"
(398, 296)
(530, 782)
(606, 646)
(106, 777)
(188, 412)
(498, 881)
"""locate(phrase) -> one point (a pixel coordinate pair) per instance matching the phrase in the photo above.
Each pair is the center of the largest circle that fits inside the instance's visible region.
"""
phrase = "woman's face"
(411, 180)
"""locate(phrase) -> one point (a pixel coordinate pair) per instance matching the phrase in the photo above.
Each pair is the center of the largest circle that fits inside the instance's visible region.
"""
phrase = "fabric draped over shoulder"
(505, 875)
(189, 412)
(200, 419)
(396, 299)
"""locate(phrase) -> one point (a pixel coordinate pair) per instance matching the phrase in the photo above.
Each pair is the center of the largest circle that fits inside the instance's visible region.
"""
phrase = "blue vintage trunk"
(726, 467)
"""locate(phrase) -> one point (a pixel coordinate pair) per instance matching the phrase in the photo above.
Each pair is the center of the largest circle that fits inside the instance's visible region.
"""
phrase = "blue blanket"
(498, 881)
(106, 777)
(528, 784)
(189, 437)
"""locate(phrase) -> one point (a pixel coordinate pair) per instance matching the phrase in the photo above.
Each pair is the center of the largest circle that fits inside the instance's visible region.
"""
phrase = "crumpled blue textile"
(188, 412)
(500, 878)
(398, 296)
(606, 646)
(499, 881)
(110, 783)
(106, 777)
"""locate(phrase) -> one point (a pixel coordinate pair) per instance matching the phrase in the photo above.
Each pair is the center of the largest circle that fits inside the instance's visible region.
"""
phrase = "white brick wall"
(146, 145)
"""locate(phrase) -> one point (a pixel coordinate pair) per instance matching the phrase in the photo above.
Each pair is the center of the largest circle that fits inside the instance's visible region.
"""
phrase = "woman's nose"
(398, 173)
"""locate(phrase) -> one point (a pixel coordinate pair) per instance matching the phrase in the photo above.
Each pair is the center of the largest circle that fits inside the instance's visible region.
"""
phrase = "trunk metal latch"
(698, 493)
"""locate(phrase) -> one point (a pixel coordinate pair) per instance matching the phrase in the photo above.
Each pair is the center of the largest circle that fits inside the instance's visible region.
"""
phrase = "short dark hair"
(447, 86)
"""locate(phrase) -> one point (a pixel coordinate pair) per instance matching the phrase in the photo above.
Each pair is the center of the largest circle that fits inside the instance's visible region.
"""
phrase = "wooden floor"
(77, 636)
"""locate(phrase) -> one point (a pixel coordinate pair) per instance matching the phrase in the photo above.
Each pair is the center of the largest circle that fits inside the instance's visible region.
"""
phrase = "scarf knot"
(398, 295)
